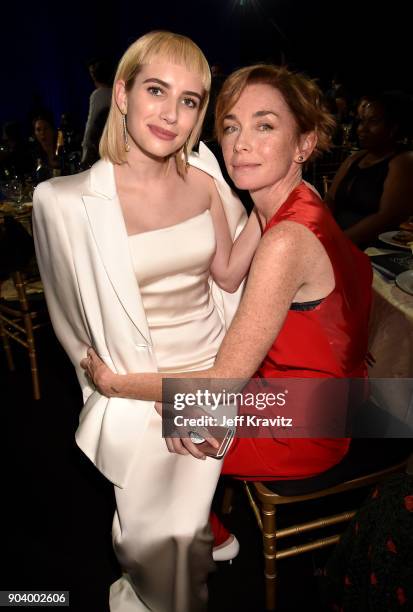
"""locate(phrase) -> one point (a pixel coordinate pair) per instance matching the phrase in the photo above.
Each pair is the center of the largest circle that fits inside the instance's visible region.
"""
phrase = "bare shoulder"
(201, 186)
(288, 233)
(402, 162)
(290, 263)
(199, 179)
(289, 242)
(281, 265)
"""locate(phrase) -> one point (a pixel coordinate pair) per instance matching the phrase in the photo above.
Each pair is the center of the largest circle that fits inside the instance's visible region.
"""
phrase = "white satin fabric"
(160, 530)
(172, 269)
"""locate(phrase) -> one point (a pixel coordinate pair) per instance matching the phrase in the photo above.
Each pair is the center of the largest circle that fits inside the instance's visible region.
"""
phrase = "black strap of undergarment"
(305, 305)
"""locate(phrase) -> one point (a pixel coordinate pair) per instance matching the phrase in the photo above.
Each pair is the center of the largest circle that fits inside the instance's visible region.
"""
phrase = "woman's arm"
(232, 259)
(284, 261)
(396, 203)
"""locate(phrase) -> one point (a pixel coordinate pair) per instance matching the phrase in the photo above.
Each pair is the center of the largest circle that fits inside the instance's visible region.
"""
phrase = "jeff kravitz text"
(240, 420)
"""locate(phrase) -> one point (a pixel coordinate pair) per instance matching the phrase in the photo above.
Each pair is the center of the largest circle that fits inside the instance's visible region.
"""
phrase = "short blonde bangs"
(174, 48)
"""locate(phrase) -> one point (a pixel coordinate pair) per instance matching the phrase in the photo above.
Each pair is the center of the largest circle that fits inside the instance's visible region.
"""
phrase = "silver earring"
(125, 134)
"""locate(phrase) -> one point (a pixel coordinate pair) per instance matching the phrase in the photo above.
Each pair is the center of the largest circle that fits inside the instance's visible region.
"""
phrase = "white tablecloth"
(391, 345)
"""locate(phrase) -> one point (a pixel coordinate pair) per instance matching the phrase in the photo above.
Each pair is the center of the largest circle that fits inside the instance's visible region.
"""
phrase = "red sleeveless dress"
(329, 339)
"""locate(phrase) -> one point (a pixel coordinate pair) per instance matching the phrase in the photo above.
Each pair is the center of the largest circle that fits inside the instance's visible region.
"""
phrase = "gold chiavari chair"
(20, 317)
(22, 306)
(267, 498)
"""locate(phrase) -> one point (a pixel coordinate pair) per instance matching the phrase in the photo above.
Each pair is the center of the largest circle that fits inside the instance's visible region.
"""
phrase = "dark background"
(44, 46)
(58, 507)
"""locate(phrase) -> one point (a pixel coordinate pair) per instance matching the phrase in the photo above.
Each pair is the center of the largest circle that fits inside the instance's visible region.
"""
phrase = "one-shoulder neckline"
(302, 186)
(170, 227)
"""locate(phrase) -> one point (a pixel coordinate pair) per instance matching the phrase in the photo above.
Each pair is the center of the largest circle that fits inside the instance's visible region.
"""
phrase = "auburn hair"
(301, 94)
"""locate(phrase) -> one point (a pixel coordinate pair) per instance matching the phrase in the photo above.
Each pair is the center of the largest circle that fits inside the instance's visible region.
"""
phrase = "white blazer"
(94, 299)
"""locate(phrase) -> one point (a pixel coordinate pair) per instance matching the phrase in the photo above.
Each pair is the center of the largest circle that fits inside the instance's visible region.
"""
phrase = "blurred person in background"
(45, 160)
(372, 191)
(15, 159)
(101, 72)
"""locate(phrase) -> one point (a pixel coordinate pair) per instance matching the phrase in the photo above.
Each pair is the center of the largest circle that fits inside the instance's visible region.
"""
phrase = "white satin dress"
(161, 535)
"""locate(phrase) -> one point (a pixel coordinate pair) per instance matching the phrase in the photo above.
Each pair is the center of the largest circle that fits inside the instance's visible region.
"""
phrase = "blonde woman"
(137, 257)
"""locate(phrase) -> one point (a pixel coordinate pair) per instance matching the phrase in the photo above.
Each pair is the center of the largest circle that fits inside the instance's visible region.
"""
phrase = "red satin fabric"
(328, 341)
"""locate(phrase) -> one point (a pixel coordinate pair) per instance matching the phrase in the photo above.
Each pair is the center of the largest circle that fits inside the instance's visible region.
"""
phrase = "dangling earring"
(125, 133)
(185, 153)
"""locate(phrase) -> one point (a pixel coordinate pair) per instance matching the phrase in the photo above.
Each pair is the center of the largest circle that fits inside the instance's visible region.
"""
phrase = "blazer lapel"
(108, 228)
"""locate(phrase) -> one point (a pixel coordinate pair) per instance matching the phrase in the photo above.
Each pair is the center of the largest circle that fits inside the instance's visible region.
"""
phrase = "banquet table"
(391, 329)
(22, 244)
(23, 215)
(391, 346)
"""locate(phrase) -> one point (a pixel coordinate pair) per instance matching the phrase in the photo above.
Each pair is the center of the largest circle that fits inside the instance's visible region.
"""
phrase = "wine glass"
(346, 127)
(12, 190)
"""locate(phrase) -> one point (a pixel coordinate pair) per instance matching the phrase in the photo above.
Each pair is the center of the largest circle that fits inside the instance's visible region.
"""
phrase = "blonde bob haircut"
(302, 95)
(155, 46)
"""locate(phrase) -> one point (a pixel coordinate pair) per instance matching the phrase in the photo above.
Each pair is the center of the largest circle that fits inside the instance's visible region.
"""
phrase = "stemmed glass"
(346, 134)
(13, 191)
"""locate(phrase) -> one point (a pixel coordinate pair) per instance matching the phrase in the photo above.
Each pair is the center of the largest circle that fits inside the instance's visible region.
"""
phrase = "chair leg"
(269, 544)
(228, 498)
(32, 356)
(35, 373)
(6, 346)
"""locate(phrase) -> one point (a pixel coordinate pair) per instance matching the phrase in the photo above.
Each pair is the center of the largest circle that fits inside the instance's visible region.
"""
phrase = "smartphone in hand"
(223, 437)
